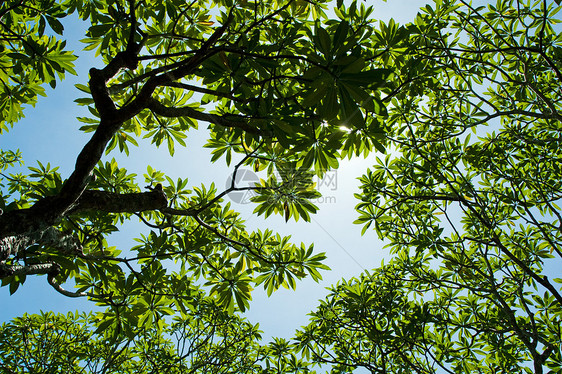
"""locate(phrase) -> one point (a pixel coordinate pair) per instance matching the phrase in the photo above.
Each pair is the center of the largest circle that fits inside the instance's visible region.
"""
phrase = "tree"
(274, 80)
(474, 224)
(208, 340)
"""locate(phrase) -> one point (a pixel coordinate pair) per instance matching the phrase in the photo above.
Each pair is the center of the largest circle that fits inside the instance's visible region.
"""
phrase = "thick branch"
(51, 269)
(89, 200)
(48, 211)
(50, 237)
(10, 270)
(110, 202)
(183, 69)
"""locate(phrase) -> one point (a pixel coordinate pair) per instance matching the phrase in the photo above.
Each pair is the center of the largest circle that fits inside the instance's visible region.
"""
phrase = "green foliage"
(286, 91)
(371, 322)
(30, 54)
(292, 77)
(207, 340)
(289, 193)
(472, 222)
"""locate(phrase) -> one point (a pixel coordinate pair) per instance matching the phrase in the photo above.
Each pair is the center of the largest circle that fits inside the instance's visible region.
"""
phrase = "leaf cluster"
(31, 54)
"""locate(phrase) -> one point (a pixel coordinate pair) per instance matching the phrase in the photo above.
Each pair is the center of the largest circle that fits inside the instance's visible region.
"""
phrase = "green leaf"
(341, 34)
(368, 78)
(55, 24)
(322, 40)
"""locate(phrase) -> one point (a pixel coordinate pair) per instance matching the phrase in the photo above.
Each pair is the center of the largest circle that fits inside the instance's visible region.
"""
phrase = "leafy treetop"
(275, 81)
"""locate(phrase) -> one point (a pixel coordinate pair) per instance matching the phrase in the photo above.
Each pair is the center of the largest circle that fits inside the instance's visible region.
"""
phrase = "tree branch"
(230, 120)
(51, 279)
(110, 202)
(11, 270)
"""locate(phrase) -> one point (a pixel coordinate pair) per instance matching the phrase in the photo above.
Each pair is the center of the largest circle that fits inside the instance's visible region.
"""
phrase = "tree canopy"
(473, 222)
(275, 84)
(288, 89)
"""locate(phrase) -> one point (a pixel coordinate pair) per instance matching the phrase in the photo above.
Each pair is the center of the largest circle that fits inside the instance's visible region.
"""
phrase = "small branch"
(207, 91)
(133, 19)
(230, 120)
(51, 279)
(235, 243)
(151, 74)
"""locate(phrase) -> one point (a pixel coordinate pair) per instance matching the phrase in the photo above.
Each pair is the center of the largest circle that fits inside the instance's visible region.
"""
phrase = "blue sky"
(50, 133)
